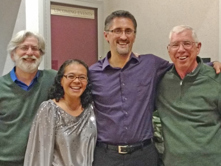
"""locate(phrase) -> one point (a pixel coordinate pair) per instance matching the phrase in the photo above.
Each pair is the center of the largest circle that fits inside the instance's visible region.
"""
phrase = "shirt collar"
(106, 62)
(14, 77)
(195, 71)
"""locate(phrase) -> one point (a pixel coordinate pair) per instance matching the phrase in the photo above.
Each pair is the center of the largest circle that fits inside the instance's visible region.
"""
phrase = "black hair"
(57, 92)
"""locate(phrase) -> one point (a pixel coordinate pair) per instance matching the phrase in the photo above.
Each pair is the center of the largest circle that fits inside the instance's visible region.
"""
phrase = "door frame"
(45, 24)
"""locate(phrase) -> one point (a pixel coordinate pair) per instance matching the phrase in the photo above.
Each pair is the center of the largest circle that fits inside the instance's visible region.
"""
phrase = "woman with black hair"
(64, 130)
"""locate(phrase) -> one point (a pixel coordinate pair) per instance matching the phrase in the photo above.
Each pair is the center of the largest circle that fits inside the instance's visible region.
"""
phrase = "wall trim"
(45, 26)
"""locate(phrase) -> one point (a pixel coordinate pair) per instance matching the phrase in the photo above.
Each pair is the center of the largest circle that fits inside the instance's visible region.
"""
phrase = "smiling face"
(27, 55)
(74, 87)
(183, 51)
(120, 44)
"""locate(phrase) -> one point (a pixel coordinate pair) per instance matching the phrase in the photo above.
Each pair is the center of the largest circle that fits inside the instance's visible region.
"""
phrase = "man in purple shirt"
(124, 89)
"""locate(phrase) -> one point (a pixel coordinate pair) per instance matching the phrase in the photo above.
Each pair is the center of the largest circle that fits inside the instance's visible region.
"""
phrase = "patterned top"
(58, 138)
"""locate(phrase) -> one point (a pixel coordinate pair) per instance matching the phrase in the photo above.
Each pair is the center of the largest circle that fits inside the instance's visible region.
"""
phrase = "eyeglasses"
(72, 77)
(26, 48)
(185, 44)
(119, 31)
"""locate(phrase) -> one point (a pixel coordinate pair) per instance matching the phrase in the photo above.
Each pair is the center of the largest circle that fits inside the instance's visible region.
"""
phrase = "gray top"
(59, 139)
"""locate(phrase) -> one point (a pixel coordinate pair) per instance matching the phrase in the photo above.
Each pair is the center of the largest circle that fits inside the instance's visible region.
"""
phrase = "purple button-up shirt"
(124, 97)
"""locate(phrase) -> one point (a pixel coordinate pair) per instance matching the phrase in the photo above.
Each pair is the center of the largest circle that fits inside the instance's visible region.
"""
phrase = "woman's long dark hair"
(57, 92)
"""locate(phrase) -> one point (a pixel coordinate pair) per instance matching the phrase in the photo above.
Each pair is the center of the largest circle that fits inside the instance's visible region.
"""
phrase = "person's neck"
(117, 60)
(71, 106)
(24, 76)
(182, 72)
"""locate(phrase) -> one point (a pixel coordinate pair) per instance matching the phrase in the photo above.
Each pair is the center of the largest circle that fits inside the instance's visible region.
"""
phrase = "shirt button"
(123, 84)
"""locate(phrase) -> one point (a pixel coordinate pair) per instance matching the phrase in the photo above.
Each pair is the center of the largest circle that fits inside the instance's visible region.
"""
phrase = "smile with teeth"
(29, 59)
(76, 88)
(123, 43)
(182, 57)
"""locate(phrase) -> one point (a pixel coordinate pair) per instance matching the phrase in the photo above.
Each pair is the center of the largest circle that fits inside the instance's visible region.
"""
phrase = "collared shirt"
(124, 97)
(20, 83)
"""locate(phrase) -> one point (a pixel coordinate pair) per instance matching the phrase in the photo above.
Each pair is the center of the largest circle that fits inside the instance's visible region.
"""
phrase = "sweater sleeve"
(40, 146)
(219, 101)
(162, 67)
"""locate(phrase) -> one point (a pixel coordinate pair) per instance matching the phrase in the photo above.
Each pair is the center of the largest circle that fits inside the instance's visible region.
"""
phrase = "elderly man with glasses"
(189, 104)
(22, 91)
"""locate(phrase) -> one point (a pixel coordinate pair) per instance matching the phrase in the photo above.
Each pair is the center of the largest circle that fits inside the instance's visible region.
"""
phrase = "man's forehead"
(183, 34)
(121, 21)
(30, 39)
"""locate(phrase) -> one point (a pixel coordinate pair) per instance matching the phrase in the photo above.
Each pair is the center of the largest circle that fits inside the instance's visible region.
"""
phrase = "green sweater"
(190, 112)
(17, 110)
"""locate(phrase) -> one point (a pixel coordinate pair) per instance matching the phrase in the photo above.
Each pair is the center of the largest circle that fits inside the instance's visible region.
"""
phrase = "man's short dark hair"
(119, 13)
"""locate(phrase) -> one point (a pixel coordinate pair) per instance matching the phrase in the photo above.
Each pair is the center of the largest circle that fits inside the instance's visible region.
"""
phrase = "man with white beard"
(21, 92)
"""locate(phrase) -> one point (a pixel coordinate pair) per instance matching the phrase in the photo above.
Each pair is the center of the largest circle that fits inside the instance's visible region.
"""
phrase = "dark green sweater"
(190, 111)
(17, 110)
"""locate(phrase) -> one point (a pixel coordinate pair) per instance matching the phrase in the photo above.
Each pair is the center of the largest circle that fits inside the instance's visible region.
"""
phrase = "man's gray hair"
(181, 28)
(20, 38)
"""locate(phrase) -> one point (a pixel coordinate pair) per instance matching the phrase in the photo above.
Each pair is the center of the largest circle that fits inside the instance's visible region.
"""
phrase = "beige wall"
(157, 17)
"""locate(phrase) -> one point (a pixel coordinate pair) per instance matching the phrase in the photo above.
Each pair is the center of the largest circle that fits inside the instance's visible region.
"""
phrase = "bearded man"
(22, 91)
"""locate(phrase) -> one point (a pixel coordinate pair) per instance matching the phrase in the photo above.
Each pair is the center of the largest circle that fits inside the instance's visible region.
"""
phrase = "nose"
(29, 51)
(76, 80)
(123, 35)
(181, 48)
